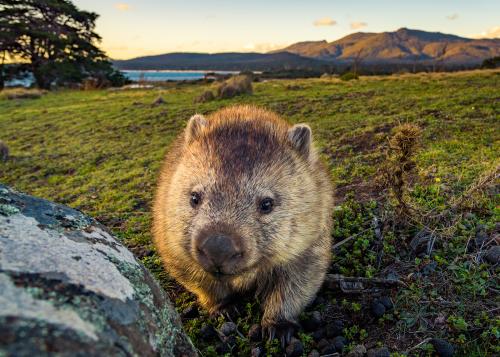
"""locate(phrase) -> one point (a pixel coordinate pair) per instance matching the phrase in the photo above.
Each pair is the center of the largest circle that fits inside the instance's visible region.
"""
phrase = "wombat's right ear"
(300, 136)
(194, 127)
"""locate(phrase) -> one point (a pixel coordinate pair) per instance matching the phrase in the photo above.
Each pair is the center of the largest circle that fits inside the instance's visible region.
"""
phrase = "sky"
(132, 28)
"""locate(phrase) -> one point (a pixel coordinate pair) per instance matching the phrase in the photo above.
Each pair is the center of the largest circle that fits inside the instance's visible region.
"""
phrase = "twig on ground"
(360, 284)
(342, 242)
(418, 345)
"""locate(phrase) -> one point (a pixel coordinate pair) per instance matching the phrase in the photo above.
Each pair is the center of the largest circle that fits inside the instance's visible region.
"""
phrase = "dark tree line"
(53, 40)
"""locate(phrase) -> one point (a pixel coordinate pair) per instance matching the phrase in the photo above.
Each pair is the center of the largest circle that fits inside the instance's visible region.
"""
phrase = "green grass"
(99, 151)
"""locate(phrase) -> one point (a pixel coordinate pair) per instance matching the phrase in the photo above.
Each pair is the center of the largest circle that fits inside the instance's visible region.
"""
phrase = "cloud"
(121, 6)
(492, 32)
(325, 21)
(452, 17)
(263, 47)
(358, 25)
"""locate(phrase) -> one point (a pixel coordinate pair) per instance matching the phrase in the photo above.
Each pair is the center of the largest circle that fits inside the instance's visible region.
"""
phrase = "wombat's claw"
(225, 308)
(282, 331)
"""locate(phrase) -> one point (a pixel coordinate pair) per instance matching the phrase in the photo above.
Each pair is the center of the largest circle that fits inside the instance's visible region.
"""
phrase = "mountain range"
(404, 46)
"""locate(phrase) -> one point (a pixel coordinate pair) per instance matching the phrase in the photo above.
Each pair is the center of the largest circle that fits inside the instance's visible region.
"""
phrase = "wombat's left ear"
(194, 127)
(300, 136)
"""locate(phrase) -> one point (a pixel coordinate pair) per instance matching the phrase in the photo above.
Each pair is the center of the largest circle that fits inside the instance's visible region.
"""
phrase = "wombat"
(4, 151)
(243, 204)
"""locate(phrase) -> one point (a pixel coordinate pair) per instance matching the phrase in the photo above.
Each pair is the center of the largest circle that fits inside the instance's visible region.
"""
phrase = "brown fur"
(235, 157)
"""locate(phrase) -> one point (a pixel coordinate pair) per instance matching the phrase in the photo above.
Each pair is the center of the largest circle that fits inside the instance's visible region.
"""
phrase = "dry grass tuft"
(23, 93)
(400, 164)
(234, 86)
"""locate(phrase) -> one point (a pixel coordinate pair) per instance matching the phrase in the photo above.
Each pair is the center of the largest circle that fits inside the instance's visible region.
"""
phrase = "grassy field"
(99, 151)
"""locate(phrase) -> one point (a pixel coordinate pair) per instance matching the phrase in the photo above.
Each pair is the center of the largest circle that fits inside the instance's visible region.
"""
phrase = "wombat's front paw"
(225, 307)
(282, 330)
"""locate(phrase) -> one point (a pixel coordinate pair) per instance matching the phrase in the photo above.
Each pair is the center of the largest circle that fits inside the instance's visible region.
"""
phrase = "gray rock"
(228, 328)
(379, 352)
(68, 287)
(357, 351)
(493, 255)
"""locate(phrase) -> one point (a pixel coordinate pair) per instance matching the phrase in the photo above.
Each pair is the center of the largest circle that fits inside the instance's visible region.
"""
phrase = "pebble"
(481, 238)
(190, 312)
(339, 342)
(313, 322)
(230, 340)
(493, 255)
(387, 302)
(429, 268)
(222, 348)
(334, 329)
(357, 351)
(313, 353)
(442, 347)
(318, 334)
(379, 352)
(378, 309)
(322, 344)
(328, 350)
(228, 328)
(208, 332)
(255, 333)
(257, 352)
(294, 348)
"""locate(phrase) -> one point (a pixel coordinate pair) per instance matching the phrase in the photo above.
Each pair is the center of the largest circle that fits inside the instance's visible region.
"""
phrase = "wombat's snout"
(219, 253)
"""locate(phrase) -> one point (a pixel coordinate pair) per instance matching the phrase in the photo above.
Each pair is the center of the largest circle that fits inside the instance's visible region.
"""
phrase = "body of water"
(154, 76)
(148, 76)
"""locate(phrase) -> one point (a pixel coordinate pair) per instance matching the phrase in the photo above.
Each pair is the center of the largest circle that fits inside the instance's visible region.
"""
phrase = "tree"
(56, 40)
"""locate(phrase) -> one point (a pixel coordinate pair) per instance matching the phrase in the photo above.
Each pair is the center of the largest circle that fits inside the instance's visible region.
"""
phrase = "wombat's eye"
(195, 199)
(266, 205)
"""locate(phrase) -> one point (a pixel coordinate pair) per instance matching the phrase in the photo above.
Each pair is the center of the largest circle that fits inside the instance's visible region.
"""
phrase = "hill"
(403, 45)
(386, 49)
(231, 61)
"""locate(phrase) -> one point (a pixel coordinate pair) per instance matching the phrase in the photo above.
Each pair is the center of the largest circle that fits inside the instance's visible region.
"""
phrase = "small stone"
(328, 350)
(481, 238)
(379, 352)
(492, 256)
(313, 353)
(254, 333)
(257, 352)
(190, 312)
(294, 348)
(158, 101)
(222, 348)
(357, 351)
(334, 328)
(377, 309)
(442, 347)
(313, 322)
(318, 334)
(322, 344)
(392, 275)
(429, 268)
(339, 342)
(208, 332)
(230, 340)
(228, 328)
(387, 302)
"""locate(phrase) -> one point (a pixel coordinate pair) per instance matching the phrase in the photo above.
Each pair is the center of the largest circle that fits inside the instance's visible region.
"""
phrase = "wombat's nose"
(218, 254)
